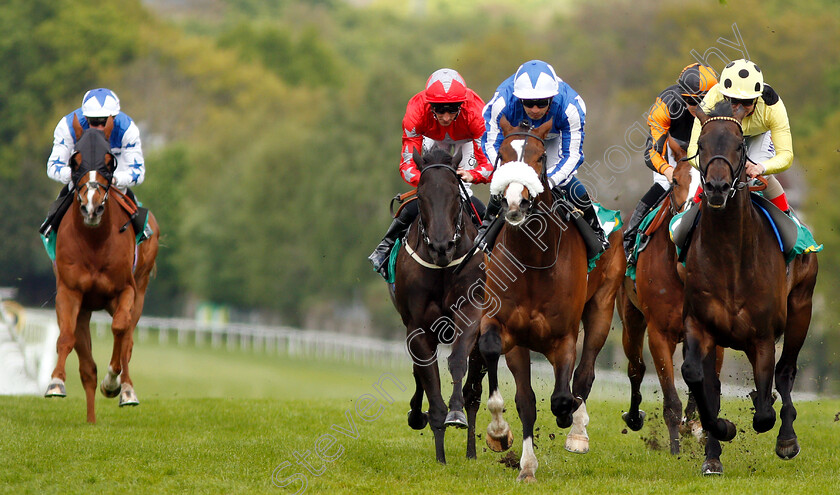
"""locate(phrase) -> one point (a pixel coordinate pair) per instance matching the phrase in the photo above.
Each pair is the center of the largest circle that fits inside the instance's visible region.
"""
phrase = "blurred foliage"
(271, 128)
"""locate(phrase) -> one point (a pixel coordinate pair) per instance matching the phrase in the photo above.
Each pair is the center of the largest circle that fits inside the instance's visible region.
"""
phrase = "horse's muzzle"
(717, 191)
(442, 253)
(516, 213)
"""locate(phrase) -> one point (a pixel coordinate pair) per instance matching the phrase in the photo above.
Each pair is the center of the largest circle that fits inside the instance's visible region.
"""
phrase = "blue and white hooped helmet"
(535, 80)
(100, 102)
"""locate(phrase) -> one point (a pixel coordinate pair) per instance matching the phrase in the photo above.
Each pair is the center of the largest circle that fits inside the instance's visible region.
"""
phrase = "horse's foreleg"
(633, 339)
(562, 358)
(67, 306)
(499, 436)
(87, 367)
(763, 357)
(798, 320)
(699, 352)
(662, 350)
(472, 396)
(519, 362)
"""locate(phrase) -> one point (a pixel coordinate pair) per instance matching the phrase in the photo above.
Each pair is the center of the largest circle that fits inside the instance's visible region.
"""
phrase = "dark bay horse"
(536, 291)
(655, 302)
(97, 266)
(739, 293)
(439, 306)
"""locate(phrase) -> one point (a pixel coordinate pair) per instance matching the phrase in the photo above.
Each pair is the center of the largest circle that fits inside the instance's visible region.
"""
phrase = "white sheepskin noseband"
(519, 172)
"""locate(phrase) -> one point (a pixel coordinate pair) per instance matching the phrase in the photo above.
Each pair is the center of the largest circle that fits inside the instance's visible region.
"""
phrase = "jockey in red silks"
(445, 114)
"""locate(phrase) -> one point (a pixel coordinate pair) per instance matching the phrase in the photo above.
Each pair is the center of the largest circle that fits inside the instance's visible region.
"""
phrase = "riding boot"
(56, 212)
(397, 229)
(138, 219)
(591, 218)
(486, 237)
(633, 228)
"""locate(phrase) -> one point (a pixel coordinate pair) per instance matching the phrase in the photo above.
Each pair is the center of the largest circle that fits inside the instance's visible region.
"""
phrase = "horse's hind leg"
(597, 317)
(417, 419)
(472, 396)
(798, 321)
(87, 367)
(67, 306)
(426, 370)
(562, 358)
(633, 339)
(499, 437)
(762, 356)
(662, 351)
(519, 362)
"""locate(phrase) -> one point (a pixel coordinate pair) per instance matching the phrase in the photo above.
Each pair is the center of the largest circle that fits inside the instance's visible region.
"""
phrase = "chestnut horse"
(739, 293)
(97, 266)
(439, 306)
(536, 291)
(655, 301)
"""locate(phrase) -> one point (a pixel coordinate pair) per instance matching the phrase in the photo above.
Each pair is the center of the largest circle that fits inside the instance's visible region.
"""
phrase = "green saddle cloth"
(805, 242)
(610, 222)
(631, 267)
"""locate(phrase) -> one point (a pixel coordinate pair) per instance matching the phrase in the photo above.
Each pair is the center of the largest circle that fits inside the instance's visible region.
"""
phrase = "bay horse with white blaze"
(98, 266)
(537, 283)
(739, 292)
(438, 305)
(654, 302)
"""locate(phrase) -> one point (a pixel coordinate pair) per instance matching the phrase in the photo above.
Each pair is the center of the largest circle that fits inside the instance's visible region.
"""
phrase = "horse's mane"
(722, 109)
(437, 155)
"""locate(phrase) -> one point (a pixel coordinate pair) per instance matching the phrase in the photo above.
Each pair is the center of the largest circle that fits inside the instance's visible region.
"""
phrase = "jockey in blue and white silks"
(125, 140)
(97, 105)
(535, 95)
(564, 143)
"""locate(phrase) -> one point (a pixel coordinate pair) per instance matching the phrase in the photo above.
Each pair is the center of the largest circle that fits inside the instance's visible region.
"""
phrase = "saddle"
(785, 228)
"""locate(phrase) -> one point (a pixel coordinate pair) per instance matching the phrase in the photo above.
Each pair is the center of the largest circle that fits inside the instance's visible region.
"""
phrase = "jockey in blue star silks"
(97, 105)
(535, 94)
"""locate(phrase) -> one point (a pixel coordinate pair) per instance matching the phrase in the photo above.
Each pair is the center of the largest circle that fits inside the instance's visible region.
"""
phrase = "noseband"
(737, 184)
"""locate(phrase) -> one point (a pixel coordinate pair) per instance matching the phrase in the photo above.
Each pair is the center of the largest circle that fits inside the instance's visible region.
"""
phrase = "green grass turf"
(212, 421)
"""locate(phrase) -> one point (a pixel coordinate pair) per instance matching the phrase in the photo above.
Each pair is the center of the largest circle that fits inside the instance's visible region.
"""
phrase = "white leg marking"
(578, 440)
(528, 462)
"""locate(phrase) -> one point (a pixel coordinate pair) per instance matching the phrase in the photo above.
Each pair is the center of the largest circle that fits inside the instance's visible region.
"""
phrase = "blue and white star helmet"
(100, 102)
(535, 80)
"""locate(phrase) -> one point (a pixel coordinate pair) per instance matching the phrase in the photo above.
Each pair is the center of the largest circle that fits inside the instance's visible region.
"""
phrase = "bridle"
(542, 159)
(92, 185)
(459, 222)
(736, 184)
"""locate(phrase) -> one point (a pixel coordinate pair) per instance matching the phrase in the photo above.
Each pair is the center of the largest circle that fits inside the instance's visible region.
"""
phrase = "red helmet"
(446, 86)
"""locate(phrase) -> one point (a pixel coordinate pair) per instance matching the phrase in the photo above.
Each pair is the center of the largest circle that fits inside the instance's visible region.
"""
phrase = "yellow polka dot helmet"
(741, 79)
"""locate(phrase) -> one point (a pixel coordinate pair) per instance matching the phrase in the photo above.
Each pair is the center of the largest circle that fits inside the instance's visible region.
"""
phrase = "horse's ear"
(458, 156)
(739, 112)
(700, 114)
(418, 159)
(542, 131)
(75, 161)
(505, 126)
(77, 127)
(109, 126)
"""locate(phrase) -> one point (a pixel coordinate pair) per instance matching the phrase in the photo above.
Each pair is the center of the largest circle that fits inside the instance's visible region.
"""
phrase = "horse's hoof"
(712, 467)
(417, 420)
(56, 389)
(634, 423)
(128, 398)
(109, 393)
(456, 419)
(787, 449)
(499, 444)
(578, 444)
(526, 478)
